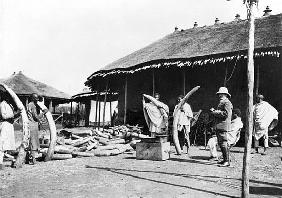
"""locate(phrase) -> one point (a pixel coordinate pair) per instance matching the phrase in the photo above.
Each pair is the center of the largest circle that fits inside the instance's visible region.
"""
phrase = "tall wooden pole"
(249, 124)
(257, 80)
(110, 99)
(184, 83)
(125, 100)
(105, 101)
(153, 82)
(96, 110)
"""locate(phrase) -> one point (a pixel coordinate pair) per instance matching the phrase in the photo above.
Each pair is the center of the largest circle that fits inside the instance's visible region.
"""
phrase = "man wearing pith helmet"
(223, 115)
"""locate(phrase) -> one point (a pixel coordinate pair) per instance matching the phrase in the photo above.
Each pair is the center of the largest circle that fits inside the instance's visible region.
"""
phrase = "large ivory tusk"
(176, 115)
(26, 135)
(53, 132)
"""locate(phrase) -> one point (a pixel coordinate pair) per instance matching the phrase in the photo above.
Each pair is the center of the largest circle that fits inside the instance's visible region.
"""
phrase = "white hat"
(223, 90)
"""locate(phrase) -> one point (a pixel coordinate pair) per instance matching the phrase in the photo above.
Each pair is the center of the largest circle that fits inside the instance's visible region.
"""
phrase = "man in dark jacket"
(223, 115)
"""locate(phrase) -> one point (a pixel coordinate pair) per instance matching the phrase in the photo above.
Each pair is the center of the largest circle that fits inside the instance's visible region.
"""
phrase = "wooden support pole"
(50, 105)
(184, 83)
(105, 102)
(249, 124)
(71, 108)
(153, 82)
(125, 100)
(99, 114)
(257, 80)
(110, 99)
(96, 110)
(26, 102)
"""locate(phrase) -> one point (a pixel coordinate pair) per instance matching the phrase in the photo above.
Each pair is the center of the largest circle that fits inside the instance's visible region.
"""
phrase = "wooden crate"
(152, 150)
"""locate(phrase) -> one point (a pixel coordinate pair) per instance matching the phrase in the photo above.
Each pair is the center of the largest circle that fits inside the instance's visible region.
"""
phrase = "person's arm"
(32, 112)
(223, 113)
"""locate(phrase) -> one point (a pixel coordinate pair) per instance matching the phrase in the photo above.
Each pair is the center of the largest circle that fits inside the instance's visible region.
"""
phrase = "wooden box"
(152, 150)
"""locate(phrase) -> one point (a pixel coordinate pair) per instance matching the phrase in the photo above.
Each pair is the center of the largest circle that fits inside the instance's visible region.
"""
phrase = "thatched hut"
(209, 56)
(24, 86)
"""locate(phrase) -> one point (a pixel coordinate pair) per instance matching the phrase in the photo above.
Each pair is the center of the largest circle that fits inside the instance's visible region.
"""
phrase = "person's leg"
(220, 144)
(186, 137)
(265, 143)
(181, 138)
(256, 145)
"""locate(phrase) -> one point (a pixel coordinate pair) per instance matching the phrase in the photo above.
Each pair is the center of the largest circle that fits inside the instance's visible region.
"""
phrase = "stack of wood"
(89, 142)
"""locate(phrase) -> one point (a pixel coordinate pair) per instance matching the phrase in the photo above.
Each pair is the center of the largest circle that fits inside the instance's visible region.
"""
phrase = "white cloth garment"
(264, 114)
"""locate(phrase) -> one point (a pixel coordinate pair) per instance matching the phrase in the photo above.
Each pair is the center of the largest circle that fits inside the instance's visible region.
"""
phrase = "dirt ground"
(124, 176)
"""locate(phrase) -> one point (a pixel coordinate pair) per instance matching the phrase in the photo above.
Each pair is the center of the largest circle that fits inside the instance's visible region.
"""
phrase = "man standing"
(232, 136)
(223, 115)
(265, 119)
(7, 116)
(183, 123)
(156, 115)
(33, 111)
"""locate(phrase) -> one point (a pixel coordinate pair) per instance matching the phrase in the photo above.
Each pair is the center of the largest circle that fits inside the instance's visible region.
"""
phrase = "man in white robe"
(156, 115)
(265, 119)
(184, 123)
(7, 135)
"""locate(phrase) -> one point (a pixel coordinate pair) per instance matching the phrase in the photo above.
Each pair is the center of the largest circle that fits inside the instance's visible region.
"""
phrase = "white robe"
(7, 135)
(264, 114)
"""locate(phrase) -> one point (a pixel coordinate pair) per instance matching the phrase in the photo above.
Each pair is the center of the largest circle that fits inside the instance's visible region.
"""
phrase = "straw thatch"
(202, 45)
(25, 86)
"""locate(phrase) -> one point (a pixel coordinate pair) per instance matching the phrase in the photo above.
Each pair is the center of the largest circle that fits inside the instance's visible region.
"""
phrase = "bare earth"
(124, 176)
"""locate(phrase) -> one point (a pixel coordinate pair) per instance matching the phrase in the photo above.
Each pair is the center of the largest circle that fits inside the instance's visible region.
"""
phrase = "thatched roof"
(25, 86)
(202, 44)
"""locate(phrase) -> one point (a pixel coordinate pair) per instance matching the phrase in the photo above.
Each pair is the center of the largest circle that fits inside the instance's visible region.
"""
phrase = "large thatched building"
(24, 86)
(209, 56)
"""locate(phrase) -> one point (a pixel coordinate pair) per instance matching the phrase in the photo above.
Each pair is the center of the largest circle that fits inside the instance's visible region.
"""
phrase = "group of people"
(227, 126)
(8, 114)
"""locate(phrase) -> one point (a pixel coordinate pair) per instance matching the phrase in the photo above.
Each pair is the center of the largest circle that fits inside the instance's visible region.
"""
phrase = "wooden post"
(153, 82)
(184, 82)
(96, 111)
(26, 102)
(105, 102)
(99, 114)
(257, 80)
(249, 123)
(50, 105)
(71, 108)
(110, 99)
(125, 100)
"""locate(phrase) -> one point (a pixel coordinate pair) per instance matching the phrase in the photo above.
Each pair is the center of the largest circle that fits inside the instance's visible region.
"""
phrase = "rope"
(233, 70)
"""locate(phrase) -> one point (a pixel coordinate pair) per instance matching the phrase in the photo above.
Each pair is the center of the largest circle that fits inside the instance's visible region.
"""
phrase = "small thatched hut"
(209, 56)
(24, 86)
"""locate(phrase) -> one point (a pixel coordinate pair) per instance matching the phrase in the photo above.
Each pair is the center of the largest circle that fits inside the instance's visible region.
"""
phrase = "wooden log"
(176, 114)
(52, 129)
(61, 156)
(82, 154)
(20, 160)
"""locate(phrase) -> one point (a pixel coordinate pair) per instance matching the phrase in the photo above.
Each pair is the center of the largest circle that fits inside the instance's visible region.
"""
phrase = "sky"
(62, 42)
